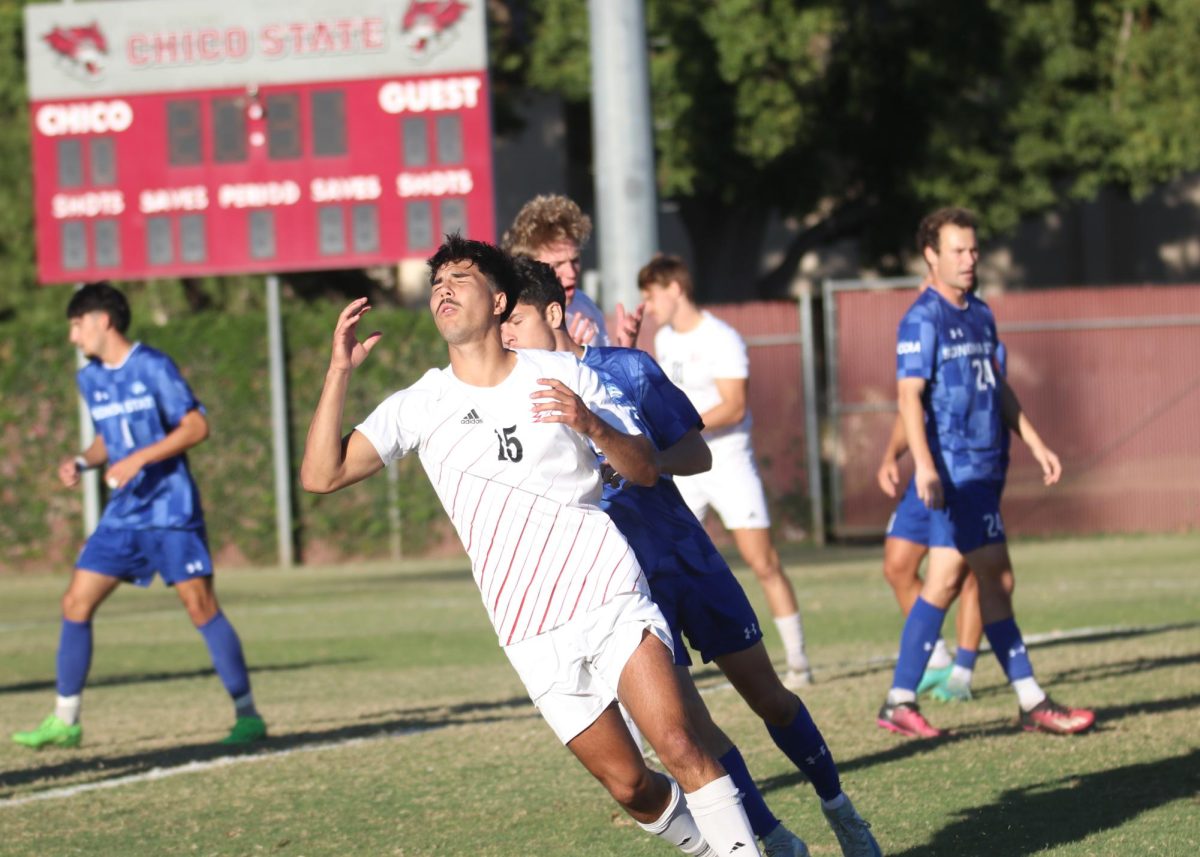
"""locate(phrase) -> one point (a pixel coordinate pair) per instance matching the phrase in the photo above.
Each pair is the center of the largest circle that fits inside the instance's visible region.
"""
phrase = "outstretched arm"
(330, 461)
(888, 475)
(1016, 420)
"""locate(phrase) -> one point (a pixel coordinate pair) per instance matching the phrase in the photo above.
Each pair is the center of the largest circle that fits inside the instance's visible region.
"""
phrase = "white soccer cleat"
(798, 679)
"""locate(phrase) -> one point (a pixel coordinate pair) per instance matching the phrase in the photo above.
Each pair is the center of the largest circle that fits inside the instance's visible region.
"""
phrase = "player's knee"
(897, 573)
(634, 788)
(76, 608)
(678, 749)
(775, 707)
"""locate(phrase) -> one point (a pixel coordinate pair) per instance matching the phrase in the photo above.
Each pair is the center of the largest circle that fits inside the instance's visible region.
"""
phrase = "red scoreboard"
(189, 137)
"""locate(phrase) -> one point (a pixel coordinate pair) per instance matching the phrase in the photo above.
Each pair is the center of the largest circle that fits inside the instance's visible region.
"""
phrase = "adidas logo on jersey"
(471, 419)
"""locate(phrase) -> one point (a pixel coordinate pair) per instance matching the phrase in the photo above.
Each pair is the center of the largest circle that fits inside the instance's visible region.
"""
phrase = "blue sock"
(965, 658)
(226, 651)
(802, 742)
(1006, 641)
(762, 820)
(921, 631)
(74, 657)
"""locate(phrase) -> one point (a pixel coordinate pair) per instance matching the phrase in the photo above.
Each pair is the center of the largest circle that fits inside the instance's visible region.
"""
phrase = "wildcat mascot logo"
(82, 51)
(430, 26)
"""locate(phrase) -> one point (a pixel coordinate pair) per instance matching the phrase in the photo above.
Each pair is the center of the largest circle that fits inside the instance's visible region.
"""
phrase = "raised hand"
(348, 353)
(582, 330)
(628, 325)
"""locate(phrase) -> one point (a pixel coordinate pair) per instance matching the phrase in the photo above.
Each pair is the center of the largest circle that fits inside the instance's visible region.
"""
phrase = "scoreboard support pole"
(279, 426)
(90, 479)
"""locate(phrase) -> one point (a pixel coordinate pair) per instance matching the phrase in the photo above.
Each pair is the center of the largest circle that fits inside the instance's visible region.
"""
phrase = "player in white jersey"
(706, 358)
(510, 443)
(553, 229)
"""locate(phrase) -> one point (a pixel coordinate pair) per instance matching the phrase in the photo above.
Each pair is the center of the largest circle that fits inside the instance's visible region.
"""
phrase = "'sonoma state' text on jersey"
(523, 495)
(695, 360)
(671, 545)
(134, 405)
(954, 350)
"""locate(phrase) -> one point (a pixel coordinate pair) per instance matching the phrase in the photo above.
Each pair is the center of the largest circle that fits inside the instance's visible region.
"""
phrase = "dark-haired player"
(146, 420)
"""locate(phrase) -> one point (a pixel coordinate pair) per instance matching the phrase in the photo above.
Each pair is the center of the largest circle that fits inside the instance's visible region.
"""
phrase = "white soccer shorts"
(732, 488)
(571, 672)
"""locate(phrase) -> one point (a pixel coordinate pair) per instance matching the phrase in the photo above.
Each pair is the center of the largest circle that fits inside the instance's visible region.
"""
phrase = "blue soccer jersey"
(954, 350)
(689, 579)
(133, 406)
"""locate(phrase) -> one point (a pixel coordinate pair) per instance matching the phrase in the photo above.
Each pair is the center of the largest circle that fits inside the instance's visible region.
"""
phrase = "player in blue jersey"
(946, 679)
(146, 420)
(957, 409)
(689, 580)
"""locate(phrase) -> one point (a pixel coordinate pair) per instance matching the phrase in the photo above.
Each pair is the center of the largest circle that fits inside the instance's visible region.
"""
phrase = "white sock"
(717, 809)
(835, 802)
(1029, 693)
(791, 631)
(898, 695)
(940, 659)
(961, 676)
(243, 706)
(677, 826)
(66, 708)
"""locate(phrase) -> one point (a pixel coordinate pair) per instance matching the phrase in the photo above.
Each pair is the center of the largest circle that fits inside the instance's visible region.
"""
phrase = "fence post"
(812, 420)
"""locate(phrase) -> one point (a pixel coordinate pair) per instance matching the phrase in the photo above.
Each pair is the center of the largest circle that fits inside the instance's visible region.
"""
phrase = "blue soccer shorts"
(910, 521)
(710, 608)
(970, 518)
(136, 555)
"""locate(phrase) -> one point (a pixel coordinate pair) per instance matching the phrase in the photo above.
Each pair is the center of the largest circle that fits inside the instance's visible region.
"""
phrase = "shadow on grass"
(905, 748)
(400, 723)
(1034, 818)
(1117, 669)
(176, 675)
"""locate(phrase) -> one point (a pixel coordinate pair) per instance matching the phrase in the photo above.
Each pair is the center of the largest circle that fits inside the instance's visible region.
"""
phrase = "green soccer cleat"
(951, 691)
(52, 731)
(246, 730)
(932, 678)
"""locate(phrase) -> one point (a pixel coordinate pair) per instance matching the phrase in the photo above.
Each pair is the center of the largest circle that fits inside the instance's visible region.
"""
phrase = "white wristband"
(81, 463)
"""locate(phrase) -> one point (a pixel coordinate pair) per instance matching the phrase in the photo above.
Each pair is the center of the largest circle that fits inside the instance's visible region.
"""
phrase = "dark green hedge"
(224, 357)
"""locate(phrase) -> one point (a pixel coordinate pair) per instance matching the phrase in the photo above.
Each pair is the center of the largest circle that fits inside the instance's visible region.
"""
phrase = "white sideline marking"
(196, 767)
(225, 761)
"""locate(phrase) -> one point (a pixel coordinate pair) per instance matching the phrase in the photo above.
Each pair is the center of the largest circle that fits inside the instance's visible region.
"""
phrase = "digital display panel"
(282, 139)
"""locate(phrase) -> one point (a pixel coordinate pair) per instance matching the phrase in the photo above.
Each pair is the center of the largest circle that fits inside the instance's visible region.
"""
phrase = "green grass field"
(400, 729)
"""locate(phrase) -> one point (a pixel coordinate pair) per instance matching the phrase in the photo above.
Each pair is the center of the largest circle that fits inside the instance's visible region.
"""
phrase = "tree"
(853, 118)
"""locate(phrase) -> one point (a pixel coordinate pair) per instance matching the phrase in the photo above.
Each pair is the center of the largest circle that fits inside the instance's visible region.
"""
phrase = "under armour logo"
(194, 567)
(750, 630)
(812, 760)
(1016, 650)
